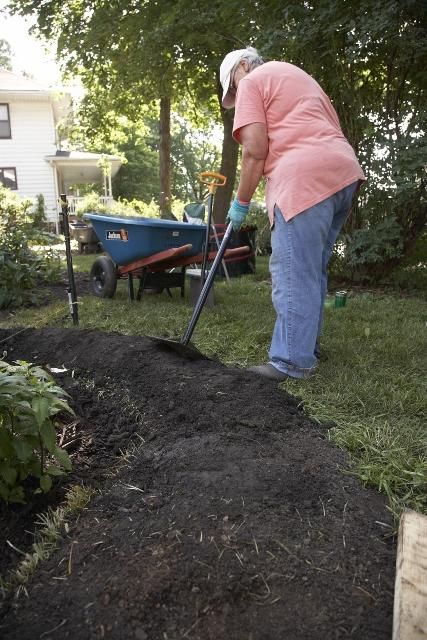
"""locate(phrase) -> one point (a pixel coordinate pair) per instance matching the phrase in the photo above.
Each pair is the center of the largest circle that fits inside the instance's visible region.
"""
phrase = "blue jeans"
(301, 249)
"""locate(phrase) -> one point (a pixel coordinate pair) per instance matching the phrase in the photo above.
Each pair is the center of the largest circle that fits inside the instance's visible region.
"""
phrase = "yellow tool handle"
(218, 180)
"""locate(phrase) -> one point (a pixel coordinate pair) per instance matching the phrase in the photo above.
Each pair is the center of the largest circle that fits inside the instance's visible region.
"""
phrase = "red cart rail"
(159, 270)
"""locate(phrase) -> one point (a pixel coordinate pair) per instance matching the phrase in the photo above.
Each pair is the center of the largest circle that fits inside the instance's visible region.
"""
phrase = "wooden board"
(410, 593)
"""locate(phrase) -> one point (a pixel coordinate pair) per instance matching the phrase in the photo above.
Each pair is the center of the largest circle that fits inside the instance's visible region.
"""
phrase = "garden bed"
(231, 517)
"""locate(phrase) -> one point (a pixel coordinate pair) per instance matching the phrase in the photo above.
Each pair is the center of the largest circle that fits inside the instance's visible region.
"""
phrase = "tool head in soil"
(188, 350)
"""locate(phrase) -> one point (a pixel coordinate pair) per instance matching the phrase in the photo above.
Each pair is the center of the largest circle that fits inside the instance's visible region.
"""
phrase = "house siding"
(33, 138)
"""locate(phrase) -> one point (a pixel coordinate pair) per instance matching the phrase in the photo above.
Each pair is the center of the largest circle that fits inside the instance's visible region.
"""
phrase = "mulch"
(232, 516)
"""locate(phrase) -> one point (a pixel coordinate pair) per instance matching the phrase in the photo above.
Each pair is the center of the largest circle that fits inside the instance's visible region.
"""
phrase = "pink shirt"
(308, 159)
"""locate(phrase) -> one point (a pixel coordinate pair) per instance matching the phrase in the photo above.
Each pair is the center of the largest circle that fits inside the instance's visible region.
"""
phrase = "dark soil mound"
(232, 519)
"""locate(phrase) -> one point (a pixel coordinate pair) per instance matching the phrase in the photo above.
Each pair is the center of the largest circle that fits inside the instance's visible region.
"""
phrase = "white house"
(31, 161)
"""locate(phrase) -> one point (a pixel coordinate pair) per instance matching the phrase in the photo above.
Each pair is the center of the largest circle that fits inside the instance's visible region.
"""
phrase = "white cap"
(227, 65)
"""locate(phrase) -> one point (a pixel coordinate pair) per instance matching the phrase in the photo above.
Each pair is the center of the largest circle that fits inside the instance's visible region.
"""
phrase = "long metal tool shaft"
(208, 233)
(72, 293)
(207, 286)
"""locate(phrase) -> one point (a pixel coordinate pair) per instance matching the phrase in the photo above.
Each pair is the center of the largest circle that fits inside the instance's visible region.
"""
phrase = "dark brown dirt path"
(233, 519)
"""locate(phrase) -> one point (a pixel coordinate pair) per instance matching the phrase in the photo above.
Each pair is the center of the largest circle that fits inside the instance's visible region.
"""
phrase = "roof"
(12, 82)
(82, 166)
(21, 89)
(62, 154)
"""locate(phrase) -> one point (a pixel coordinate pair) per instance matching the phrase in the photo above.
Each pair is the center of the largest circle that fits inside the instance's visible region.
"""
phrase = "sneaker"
(321, 355)
(269, 371)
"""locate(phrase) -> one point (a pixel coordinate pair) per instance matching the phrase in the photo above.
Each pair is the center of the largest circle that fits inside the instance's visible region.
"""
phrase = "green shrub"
(137, 208)
(258, 217)
(30, 402)
(91, 202)
(411, 273)
(39, 213)
(374, 244)
(418, 255)
(360, 256)
(22, 268)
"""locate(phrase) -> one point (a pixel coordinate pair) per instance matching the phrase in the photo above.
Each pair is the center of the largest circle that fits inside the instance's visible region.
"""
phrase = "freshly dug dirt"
(231, 517)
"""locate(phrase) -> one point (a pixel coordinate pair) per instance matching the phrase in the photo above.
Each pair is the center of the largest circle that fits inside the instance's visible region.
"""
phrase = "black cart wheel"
(103, 277)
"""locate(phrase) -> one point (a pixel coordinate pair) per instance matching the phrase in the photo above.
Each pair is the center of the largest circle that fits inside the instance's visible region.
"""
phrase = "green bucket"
(340, 299)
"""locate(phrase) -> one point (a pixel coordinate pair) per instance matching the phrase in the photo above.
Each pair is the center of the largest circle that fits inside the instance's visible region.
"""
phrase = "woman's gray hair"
(252, 57)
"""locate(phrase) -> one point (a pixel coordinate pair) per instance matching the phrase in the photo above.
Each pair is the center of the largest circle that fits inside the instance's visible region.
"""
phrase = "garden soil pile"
(222, 511)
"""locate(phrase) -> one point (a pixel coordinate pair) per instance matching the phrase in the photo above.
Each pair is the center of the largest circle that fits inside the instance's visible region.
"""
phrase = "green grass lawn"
(370, 387)
(83, 262)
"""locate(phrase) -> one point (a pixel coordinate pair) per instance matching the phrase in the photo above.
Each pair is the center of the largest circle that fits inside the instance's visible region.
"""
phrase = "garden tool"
(217, 180)
(184, 347)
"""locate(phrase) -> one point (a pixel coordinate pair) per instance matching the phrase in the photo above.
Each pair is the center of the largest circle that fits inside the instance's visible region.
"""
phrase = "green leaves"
(23, 449)
(9, 474)
(376, 244)
(63, 458)
(30, 402)
(369, 57)
(21, 267)
(40, 406)
(48, 435)
(5, 55)
(45, 483)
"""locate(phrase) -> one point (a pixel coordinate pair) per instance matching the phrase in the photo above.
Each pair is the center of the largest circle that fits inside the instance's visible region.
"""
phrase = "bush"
(39, 213)
(360, 256)
(136, 208)
(21, 267)
(30, 402)
(258, 217)
(411, 273)
(374, 245)
(92, 203)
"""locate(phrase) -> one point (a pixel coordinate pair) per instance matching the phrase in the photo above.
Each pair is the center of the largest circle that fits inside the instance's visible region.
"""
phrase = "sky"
(28, 53)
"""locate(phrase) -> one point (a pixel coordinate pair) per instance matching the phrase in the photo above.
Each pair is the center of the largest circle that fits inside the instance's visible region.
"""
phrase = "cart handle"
(218, 180)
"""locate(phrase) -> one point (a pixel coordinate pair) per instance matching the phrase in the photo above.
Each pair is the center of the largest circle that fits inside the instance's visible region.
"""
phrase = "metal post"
(208, 232)
(71, 290)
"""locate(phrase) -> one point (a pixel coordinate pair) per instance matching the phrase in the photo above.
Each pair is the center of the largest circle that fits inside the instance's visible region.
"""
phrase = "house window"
(5, 131)
(8, 177)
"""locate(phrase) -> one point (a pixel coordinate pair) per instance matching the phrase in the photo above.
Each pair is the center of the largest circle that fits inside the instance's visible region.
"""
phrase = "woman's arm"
(254, 140)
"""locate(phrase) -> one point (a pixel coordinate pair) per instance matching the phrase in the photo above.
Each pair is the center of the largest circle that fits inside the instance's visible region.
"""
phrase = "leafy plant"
(5, 55)
(39, 214)
(374, 244)
(92, 202)
(30, 402)
(21, 266)
(258, 217)
(141, 208)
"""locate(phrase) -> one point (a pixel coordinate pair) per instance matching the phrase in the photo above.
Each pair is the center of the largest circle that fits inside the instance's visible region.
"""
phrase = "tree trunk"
(230, 151)
(165, 200)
